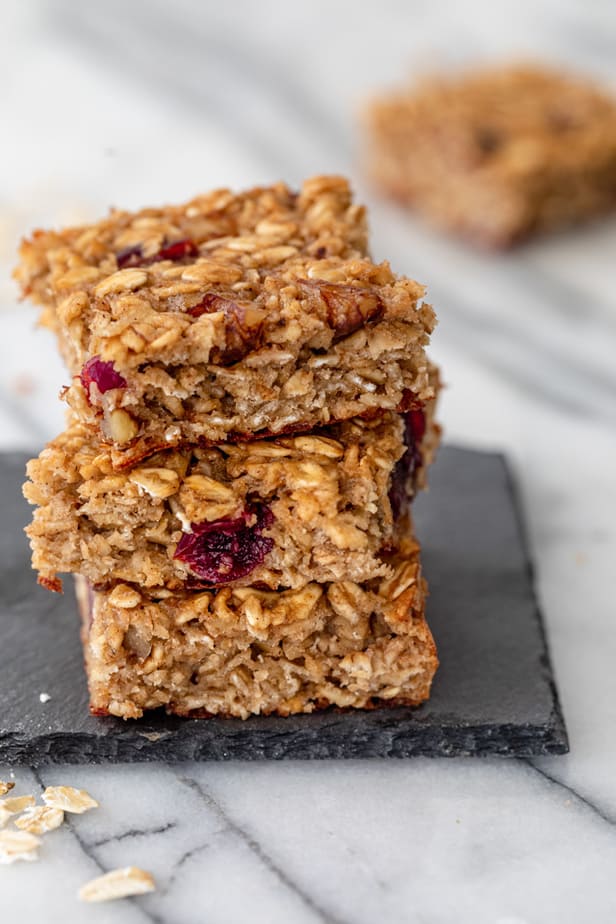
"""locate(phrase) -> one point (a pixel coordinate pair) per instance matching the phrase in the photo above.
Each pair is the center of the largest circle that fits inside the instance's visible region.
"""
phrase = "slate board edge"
(448, 741)
(558, 729)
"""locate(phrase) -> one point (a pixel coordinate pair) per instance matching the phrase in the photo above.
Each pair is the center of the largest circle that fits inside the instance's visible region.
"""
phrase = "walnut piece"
(158, 482)
(347, 307)
(122, 427)
(243, 325)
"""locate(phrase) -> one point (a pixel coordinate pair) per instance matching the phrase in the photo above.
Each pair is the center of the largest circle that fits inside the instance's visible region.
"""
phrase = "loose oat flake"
(4, 816)
(17, 804)
(5, 787)
(119, 883)
(69, 799)
(18, 845)
(40, 819)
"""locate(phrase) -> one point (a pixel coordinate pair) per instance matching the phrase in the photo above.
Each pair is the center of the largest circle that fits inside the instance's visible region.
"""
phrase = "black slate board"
(493, 695)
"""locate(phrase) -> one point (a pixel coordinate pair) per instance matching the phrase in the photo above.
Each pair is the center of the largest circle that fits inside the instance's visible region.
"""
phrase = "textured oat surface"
(229, 316)
(497, 154)
(328, 493)
(242, 651)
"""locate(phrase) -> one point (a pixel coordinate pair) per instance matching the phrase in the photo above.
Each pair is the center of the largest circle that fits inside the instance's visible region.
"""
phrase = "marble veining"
(149, 102)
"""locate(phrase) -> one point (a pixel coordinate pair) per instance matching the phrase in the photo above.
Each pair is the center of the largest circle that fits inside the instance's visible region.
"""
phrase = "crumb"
(23, 384)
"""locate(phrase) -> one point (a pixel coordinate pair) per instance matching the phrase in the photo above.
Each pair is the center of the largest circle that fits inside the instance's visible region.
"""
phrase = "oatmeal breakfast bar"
(498, 154)
(242, 651)
(281, 512)
(231, 317)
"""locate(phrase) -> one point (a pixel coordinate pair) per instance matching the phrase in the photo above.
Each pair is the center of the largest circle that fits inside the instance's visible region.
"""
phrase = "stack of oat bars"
(250, 411)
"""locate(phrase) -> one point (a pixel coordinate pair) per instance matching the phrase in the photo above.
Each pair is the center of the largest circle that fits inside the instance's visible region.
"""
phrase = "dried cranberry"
(224, 550)
(102, 374)
(414, 427)
(130, 256)
(406, 467)
(133, 256)
(210, 303)
(177, 251)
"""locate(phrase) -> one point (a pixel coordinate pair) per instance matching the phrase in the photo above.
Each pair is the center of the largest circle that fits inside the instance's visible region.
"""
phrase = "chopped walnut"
(348, 307)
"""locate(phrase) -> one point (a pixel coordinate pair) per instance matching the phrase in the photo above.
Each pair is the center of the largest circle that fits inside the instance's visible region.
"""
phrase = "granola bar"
(243, 651)
(499, 154)
(229, 317)
(280, 512)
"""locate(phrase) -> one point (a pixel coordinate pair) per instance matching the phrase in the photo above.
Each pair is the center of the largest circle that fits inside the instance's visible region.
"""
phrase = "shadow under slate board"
(494, 693)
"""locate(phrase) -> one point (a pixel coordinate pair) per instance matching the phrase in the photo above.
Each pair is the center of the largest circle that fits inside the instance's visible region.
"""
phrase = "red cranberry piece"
(130, 256)
(414, 427)
(224, 550)
(133, 256)
(406, 467)
(102, 374)
(397, 491)
(177, 251)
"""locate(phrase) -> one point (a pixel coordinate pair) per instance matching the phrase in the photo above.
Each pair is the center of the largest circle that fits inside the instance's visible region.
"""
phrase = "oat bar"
(243, 651)
(229, 317)
(499, 154)
(281, 512)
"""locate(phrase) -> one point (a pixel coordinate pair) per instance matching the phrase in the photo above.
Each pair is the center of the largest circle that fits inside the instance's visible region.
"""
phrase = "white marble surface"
(131, 103)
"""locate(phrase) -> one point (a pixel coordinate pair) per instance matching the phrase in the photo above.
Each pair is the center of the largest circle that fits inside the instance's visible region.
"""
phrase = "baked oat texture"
(230, 316)
(328, 493)
(499, 154)
(243, 651)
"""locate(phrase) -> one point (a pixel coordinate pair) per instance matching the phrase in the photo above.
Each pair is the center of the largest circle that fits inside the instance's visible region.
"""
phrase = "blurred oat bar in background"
(499, 154)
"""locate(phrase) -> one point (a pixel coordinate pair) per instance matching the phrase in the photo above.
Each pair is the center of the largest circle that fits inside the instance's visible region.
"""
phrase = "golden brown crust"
(497, 154)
